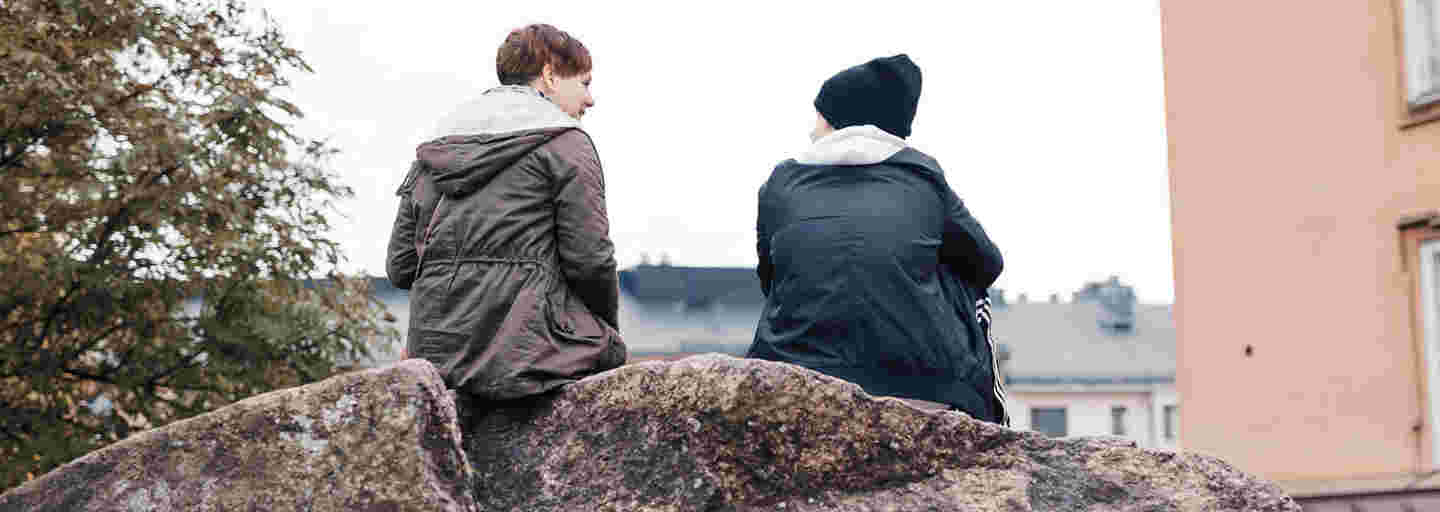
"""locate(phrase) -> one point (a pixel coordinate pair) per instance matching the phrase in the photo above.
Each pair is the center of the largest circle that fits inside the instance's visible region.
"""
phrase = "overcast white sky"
(1048, 116)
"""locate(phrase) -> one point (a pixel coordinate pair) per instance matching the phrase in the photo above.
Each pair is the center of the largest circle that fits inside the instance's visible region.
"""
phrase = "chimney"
(1117, 305)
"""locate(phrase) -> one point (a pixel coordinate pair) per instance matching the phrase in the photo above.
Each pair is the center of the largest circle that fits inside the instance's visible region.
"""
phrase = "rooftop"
(1060, 343)
(695, 287)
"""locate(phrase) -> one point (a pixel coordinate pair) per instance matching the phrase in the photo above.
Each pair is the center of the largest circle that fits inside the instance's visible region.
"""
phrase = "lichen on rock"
(714, 432)
(383, 439)
(707, 433)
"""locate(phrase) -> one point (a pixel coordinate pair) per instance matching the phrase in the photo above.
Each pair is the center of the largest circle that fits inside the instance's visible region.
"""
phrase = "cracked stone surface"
(376, 440)
(707, 433)
(716, 433)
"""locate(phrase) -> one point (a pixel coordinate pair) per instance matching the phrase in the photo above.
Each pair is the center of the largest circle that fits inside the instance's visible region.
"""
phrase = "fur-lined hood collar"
(504, 109)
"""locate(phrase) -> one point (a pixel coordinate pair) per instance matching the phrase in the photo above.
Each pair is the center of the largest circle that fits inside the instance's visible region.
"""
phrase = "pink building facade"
(1305, 167)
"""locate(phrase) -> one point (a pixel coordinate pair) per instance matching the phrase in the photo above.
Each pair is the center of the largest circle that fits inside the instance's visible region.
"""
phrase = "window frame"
(1170, 416)
(1428, 264)
(1064, 415)
(1418, 45)
(1117, 420)
(1418, 90)
(1417, 231)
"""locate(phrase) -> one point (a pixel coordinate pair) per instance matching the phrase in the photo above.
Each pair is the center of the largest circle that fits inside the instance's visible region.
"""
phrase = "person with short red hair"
(502, 236)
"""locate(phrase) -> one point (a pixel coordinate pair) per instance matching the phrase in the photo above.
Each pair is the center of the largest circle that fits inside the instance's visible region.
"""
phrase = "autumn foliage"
(163, 235)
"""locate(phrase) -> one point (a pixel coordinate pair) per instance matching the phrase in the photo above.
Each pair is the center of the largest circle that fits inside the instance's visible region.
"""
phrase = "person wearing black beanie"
(872, 268)
(883, 92)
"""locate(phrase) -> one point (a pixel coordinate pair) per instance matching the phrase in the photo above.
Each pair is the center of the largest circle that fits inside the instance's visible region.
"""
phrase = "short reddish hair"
(528, 49)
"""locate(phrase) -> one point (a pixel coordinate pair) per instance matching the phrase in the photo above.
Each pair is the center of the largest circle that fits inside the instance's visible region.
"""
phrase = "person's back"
(502, 235)
(871, 267)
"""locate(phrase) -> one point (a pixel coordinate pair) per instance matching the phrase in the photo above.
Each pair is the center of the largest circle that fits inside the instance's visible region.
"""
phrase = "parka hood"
(853, 145)
(460, 164)
(486, 136)
(508, 108)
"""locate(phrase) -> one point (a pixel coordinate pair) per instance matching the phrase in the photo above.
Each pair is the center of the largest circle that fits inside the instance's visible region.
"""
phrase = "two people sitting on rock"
(873, 270)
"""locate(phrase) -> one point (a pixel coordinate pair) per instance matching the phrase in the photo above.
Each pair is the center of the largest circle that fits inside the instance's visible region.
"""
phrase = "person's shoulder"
(778, 172)
(915, 158)
(571, 138)
(785, 165)
(572, 145)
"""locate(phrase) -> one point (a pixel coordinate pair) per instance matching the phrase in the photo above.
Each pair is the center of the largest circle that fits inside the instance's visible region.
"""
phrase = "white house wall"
(1165, 395)
(1088, 412)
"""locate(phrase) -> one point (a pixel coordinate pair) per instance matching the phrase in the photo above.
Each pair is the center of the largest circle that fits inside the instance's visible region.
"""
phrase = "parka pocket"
(572, 322)
(584, 343)
(437, 346)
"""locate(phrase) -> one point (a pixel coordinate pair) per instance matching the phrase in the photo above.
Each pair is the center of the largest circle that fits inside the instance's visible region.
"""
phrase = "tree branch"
(95, 341)
(112, 222)
(202, 389)
(33, 228)
(102, 250)
(12, 159)
(11, 435)
(185, 362)
(87, 375)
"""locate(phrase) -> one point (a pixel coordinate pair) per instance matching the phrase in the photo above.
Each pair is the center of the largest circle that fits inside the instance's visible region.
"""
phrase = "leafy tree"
(160, 226)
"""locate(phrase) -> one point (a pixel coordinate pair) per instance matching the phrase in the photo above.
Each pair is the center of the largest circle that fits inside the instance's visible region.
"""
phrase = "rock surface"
(715, 433)
(707, 433)
(377, 440)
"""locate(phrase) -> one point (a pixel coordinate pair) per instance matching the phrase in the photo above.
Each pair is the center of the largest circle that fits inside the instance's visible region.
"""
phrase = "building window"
(1422, 52)
(1172, 421)
(1048, 420)
(1117, 420)
(1430, 313)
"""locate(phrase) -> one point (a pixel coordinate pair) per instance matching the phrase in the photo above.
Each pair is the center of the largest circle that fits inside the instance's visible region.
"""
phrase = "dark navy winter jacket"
(871, 274)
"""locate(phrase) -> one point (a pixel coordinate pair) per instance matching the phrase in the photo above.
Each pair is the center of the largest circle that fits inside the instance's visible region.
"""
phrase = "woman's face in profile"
(571, 94)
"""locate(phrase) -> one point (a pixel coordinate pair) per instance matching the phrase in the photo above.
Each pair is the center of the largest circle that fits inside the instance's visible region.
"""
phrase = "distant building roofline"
(1088, 380)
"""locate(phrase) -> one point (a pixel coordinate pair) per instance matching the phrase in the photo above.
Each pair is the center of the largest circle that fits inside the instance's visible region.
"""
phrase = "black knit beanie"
(883, 92)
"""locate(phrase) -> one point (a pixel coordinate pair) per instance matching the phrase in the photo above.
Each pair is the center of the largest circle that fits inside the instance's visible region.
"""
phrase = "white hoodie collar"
(508, 108)
(853, 145)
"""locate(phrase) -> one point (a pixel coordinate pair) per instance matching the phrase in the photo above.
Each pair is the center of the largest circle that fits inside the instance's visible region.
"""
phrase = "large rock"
(715, 433)
(378, 440)
(709, 433)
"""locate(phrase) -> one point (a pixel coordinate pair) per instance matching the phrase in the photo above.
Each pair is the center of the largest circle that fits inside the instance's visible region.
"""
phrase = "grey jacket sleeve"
(401, 259)
(966, 248)
(582, 227)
